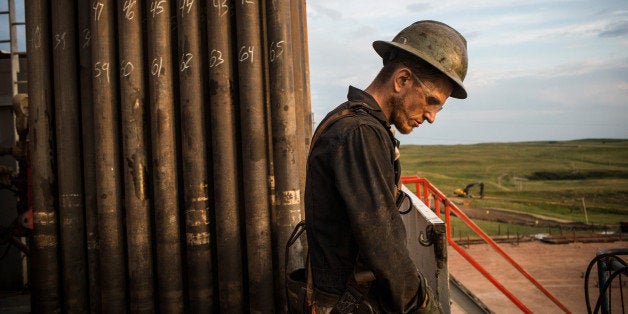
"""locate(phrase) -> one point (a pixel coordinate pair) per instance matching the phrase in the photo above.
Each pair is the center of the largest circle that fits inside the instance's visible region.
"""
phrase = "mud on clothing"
(351, 186)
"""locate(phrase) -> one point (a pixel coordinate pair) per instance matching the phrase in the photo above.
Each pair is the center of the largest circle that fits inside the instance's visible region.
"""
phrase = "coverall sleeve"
(364, 174)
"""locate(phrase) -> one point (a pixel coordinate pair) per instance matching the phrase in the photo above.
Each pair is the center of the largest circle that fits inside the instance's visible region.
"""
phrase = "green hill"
(545, 178)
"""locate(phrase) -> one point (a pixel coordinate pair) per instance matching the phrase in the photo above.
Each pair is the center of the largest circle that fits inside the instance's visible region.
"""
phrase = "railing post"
(448, 221)
(437, 206)
(426, 194)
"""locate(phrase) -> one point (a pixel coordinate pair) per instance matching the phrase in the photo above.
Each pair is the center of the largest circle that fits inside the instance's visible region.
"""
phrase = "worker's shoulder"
(338, 130)
(356, 119)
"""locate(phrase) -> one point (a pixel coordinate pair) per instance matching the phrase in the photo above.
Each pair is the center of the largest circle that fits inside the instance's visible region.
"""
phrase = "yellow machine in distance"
(466, 191)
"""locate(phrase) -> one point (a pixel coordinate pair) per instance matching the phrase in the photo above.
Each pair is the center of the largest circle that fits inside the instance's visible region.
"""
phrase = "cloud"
(419, 7)
(548, 22)
(576, 30)
(315, 11)
(469, 36)
(465, 5)
(615, 30)
(564, 70)
(580, 68)
(363, 32)
(508, 35)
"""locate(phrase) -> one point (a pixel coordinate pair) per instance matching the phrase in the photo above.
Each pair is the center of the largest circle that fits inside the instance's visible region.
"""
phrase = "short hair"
(418, 66)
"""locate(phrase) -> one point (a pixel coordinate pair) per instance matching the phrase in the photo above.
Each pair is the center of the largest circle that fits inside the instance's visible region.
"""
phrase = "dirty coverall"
(352, 177)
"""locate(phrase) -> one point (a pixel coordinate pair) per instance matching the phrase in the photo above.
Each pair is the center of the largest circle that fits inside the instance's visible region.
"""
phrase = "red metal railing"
(439, 198)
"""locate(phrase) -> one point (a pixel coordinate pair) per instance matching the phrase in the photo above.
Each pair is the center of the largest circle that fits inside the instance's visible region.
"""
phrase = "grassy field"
(554, 179)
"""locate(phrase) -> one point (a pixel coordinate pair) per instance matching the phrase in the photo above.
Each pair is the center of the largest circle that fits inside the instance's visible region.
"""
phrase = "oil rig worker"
(357, 257)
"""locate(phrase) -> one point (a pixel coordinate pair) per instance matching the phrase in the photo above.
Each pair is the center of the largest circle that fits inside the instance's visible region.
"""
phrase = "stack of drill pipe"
(87, 133)
(165, 187)
(109, 202)
(194, 156)
(70, 185)
(135, 143)
(288, 206)
(168, 142)
(300, 79)
(44, 272)
(255, 156)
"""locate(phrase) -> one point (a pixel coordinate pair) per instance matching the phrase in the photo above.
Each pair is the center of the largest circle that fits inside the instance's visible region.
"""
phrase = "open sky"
(538, 70)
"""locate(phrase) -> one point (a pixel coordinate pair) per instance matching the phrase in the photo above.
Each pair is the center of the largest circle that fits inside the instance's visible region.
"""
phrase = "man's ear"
(401, 79)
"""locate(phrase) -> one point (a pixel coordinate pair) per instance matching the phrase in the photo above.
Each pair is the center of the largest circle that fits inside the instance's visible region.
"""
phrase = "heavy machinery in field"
(466, 191)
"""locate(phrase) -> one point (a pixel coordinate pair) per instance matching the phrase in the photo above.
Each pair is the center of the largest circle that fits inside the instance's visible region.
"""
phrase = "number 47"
(186, 5)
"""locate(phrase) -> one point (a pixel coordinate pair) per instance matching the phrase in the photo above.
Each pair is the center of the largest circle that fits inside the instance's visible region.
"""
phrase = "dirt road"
(513, 217)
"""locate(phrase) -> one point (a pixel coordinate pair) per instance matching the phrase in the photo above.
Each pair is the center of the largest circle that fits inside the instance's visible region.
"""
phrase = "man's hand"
(430, 305)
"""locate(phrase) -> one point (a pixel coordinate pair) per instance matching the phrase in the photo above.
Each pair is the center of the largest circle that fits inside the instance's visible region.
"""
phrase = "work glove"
(432, 306)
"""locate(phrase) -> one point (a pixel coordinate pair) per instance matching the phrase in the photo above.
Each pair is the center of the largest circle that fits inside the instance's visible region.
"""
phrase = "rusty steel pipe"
(223, 115)
(44, 270)
(307, 100)
(193, 146)
(302, 72)
(70, 193)
(297, 74)
(288, 206)
(87, 132)
(164, 164)
(135, 139)
(107, 153)
(254, 156)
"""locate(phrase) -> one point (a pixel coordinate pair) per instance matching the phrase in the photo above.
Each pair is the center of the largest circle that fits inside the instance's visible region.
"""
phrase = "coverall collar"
(358, 95)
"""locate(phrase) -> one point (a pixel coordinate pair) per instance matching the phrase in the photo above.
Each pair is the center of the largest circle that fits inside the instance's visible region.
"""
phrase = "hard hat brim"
(383, 48)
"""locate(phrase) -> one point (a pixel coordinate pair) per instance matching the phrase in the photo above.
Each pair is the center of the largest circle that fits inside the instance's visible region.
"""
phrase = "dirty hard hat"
(436, 43)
